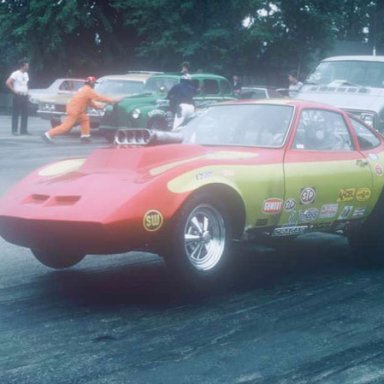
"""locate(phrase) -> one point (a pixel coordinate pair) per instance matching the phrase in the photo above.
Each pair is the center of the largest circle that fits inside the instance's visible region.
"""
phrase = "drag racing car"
(238, 172)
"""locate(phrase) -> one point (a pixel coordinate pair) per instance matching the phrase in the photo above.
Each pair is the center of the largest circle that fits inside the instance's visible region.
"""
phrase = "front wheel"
(58, 259)
(200, 241)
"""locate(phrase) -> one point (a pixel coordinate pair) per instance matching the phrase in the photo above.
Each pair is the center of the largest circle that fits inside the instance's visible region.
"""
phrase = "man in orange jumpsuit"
(76, 109)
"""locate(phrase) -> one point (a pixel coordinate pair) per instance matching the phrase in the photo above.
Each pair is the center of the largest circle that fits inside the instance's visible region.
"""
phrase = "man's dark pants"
(20, 108)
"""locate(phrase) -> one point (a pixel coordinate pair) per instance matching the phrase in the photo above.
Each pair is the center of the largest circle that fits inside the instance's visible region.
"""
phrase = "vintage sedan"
(150, 109)
(65, 87)
(240, 171)
(53, 106)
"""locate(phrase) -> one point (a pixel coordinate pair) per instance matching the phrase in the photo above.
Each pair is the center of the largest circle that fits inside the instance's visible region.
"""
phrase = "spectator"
(294, 84)
(236, 84)
(76, 109)
(18, 85)
(180, 97)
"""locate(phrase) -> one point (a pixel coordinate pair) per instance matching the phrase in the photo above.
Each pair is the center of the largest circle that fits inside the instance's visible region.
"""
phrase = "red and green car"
(239, 172)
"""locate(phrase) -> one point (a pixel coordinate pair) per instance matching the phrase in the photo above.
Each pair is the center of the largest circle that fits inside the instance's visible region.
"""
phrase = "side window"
(211, 87)
(367, 139)
(321, 130)
(225, 87)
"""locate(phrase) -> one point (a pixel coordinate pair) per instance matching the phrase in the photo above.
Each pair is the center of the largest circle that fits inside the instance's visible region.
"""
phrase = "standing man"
(18, 85)
(294, 84)
(76, 109)
(236, 84)
(180, 97)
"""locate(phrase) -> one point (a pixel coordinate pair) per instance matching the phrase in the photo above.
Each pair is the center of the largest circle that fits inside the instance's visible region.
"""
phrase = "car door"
(327, 179)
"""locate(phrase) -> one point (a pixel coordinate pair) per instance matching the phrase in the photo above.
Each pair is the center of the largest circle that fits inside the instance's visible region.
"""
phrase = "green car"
(150, 109)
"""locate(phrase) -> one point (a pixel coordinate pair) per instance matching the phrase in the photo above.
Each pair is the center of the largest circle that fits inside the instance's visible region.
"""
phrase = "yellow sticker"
(153, 220)
(346, 194)
(363, 194)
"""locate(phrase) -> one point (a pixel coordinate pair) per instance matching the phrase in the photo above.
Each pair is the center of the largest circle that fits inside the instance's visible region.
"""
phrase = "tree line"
(250, 37)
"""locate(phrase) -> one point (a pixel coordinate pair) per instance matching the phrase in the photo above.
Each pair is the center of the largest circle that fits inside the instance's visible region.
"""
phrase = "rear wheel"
(200, 241)
(367, 241)
(58, 259)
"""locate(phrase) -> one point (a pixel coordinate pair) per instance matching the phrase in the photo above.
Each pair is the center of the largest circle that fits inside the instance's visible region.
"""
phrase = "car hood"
(345, 97)
(108, 179)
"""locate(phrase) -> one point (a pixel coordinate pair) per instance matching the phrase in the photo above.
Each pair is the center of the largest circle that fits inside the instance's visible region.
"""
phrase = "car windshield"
(240, 125)
(118, 87)
(156, 84)
(364, 73)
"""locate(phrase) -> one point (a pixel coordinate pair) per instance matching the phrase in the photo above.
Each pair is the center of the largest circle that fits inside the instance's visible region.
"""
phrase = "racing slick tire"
(367, 241)
(200, 242)
(57, 259)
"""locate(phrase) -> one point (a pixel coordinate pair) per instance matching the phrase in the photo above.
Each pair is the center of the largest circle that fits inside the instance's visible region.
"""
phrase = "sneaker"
(86, 139)
(25, 134)
(45, 136)
(15, 133)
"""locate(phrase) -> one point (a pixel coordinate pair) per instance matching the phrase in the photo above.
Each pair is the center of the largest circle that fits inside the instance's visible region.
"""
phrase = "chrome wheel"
(204, 237)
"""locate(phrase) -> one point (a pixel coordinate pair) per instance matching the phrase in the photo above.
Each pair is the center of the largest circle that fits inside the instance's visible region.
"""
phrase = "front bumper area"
(87, 237)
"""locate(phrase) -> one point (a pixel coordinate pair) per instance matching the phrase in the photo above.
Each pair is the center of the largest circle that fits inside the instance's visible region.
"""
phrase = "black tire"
(367, 241)
(158, 124)
(57, 259)
(199, 241)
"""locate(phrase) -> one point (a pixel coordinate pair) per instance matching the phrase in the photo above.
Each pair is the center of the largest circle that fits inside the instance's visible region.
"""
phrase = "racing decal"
(378, 169)
(62, 167)
(307, 195)
(309, 215)
(359, 212)
(289, 204)
(328, 211)
(346, 194)
(272, 205)
(363, 194)
(293, 218)
(152, 220)
(290, 230)
(204, 175)
(346, 212)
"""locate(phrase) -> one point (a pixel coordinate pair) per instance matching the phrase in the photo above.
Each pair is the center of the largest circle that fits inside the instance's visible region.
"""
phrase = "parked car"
(241, 171)
(259, 92)
(150, 109)
(53, 107)
(65, 86)
(353, 83)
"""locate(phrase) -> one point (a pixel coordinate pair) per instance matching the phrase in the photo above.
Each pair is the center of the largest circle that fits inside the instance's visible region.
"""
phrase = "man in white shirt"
(18, 85)
(294, 84)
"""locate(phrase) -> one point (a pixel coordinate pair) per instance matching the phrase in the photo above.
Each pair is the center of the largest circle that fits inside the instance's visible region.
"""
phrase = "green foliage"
(251, 37)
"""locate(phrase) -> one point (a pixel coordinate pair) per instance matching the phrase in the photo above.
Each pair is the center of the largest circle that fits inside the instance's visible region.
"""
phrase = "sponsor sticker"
(309, 215)
(363, 194)
(346, 194)
(307, 195)
(289, 204)
(378, 170)
(328, 211)
(346, 212)
(204, 175)
(272, 205)
(289, 231)
(359, 212)
(152, 220)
